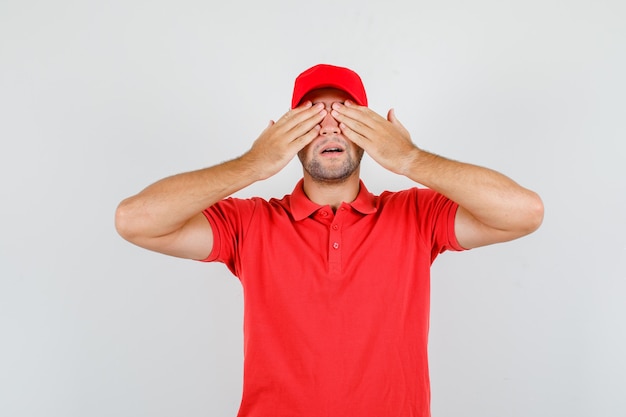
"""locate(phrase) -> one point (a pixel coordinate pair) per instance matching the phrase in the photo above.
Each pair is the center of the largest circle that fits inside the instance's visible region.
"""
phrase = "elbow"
(124, 220)
(534, 214)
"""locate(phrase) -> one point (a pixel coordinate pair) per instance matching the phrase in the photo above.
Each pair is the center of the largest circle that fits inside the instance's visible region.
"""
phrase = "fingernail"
(335, 113)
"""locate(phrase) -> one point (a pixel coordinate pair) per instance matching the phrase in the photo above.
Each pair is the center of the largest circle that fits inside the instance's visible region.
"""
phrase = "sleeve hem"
(214, 254)
(454, 243)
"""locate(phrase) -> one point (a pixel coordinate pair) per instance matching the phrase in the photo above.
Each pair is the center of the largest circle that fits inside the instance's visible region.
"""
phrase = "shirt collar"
(302, 207)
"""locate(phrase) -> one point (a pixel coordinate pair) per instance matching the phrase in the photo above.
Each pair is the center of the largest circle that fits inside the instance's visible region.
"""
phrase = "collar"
(302, 207)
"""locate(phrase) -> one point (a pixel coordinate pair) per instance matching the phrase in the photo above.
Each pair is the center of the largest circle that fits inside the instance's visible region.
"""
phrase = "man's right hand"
(283, 139)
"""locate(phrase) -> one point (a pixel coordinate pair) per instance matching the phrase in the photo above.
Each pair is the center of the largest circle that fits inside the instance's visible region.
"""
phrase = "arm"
(492, 207)
(167, 216)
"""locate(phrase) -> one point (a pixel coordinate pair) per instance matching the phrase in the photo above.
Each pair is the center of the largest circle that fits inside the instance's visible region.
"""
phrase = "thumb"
(391, 116)
(270, 124)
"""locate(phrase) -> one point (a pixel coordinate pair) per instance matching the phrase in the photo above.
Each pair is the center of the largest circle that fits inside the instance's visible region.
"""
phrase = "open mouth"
(332, 150)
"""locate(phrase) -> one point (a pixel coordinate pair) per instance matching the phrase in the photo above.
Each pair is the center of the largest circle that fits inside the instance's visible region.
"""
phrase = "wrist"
(421, 165)
(412, 161)
(253, 167)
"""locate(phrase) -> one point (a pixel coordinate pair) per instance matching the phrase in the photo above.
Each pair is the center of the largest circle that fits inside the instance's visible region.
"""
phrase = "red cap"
(325, 76)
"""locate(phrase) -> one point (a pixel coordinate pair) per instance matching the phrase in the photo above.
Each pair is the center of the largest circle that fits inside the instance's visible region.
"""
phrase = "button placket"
(335, 244)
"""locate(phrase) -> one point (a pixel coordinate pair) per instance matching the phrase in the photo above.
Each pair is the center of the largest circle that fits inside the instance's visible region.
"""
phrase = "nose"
(329, 126)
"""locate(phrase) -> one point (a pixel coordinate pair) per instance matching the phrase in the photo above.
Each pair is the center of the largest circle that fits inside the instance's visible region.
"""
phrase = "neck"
(332, 193)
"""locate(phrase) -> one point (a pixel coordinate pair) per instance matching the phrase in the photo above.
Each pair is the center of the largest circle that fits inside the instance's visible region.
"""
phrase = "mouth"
(331, 149)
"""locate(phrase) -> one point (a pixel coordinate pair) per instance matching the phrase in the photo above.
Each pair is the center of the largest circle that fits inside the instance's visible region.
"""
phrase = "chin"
(325, 176)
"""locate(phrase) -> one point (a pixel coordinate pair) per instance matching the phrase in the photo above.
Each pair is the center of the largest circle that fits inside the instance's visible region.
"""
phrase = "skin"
(337, 176)
(167, 216)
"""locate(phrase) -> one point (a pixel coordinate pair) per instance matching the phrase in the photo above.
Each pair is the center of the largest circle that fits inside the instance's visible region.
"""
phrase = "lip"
(332, 145)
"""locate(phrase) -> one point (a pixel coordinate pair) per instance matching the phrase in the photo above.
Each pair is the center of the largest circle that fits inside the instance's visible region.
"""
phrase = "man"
(335, 279)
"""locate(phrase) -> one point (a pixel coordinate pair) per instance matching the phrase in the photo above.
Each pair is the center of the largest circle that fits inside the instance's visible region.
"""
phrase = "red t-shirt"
(336, 304)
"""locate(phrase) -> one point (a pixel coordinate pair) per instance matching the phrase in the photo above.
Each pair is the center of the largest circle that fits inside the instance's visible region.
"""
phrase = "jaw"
(333, 168)
(332, 192)
(329, 181)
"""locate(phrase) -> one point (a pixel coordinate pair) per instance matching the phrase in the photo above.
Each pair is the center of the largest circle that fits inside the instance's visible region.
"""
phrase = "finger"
(302, 108)
(391, 116)
(310, 115)
(304, 125)
(355, 137)
(363, 115)
(291, 113)
(353, 124)
(304, 105)
(292, 126)
(350, 110)
(301, 141)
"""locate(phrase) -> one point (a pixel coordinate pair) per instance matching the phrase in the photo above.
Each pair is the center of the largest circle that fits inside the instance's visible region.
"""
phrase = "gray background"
(99, 99)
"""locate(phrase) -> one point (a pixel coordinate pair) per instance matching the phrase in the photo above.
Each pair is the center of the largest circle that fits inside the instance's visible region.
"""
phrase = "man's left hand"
(385, 140)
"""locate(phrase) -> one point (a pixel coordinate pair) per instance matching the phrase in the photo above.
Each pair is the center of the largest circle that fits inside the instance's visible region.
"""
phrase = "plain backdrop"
(98, 99)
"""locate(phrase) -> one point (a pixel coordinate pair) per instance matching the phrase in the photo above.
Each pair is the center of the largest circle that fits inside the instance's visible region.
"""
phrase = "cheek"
(306, 150)
(356, 150)
(303, 152)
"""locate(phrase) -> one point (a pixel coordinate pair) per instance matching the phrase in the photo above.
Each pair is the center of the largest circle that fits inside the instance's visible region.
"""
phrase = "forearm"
(167, 216)
(493, 208)
(165, 206)
(491, 198)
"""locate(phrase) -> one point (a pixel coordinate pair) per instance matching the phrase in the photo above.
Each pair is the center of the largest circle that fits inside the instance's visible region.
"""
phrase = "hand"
(283, 139)
(385, 140)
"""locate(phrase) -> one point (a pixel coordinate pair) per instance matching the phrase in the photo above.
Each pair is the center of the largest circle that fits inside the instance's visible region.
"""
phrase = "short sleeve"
(437, 217)
(229, 220)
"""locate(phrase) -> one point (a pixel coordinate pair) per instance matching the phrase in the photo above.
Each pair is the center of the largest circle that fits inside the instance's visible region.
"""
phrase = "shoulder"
(416, 202)
(413, 195)
(245, 207)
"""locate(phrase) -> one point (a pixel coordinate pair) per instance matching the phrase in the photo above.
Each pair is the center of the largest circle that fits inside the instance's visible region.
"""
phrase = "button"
(336, 245)
(343, 209)
(335, 227)
(323, 213)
